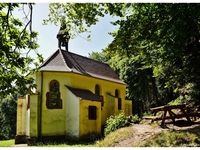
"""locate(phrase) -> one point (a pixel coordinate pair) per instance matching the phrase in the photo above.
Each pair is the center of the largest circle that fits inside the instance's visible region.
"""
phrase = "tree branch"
(7, 18)
(29, 23)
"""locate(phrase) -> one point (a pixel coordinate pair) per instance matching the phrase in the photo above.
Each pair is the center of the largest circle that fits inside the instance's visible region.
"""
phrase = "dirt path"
(144, 131)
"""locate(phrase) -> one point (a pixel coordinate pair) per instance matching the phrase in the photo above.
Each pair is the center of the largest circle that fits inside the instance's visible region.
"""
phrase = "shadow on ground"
(183, 123)
(64, 141)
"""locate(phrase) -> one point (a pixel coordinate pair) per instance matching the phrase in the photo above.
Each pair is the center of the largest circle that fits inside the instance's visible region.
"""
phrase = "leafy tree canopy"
(155, 50)
(17, 41)
(79, 17)
(166, 37)
(8, 113)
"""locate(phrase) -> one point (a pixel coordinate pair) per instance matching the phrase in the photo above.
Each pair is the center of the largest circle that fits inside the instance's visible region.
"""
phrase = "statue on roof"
(63, 37)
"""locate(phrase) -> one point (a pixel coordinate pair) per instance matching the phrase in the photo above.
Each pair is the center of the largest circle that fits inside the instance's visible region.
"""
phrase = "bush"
(134, 119)
(8, 110)
(177, 101)
(115, 122)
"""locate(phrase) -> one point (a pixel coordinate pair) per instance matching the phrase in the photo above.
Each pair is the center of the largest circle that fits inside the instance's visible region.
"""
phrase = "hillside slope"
(181, 134)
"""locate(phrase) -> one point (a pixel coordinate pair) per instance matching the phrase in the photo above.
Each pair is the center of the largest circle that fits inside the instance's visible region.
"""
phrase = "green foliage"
(134, 119)
(16, 44)
(177, 101)
(102, 57)
(7, 143)
(165, 38)
(8, 112)
(155, 50)
(79, 17)
(115, 122)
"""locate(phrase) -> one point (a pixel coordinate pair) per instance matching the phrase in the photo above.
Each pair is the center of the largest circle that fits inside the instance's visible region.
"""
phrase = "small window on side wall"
(116, 93)
(97, 89)
(98, 92)
(119, 103)
(119, 99)
(92, 112)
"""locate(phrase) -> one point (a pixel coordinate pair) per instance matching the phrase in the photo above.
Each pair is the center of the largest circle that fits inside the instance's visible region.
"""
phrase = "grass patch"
(183, 138)
(115, 137)
(7, 143)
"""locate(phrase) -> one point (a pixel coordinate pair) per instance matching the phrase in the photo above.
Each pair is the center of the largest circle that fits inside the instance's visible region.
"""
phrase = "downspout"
(40, 109)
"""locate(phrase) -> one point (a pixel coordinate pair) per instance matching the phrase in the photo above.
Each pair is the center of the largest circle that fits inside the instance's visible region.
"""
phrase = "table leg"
(163, 118)
(172, 115)
(152, 120)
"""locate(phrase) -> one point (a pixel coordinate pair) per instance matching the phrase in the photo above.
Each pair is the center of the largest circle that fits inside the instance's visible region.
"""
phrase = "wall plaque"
(53, 100)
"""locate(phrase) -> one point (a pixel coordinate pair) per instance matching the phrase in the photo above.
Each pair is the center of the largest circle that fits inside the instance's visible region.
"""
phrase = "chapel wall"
(54, 120)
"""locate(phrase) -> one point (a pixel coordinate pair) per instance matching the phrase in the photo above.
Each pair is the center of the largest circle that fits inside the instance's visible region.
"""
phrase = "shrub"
(8, 110)
(176, 102)
(115, 122)
(134, 119)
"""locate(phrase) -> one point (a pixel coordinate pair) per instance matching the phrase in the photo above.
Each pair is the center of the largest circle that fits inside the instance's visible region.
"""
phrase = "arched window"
(54, 85)
(116, 93)
(98, 92)
(53, 99)
(97, 89)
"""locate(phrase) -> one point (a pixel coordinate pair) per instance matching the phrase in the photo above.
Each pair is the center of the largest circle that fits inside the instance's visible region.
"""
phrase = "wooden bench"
(181, 111)
(153, 118)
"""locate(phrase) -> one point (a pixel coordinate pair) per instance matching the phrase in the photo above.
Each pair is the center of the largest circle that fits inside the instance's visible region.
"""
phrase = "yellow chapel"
(74, 97)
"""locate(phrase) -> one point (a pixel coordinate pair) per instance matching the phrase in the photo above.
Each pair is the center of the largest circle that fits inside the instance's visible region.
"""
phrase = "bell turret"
(63, 37)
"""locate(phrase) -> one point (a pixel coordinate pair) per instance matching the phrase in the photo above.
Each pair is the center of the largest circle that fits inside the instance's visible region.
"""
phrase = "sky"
(79, 45)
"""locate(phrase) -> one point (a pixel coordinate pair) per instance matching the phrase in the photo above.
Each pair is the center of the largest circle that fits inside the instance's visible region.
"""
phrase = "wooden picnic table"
(179, 113)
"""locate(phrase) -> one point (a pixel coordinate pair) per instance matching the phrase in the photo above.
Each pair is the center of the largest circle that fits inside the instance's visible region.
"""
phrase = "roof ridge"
(64, 60)
(87, 58)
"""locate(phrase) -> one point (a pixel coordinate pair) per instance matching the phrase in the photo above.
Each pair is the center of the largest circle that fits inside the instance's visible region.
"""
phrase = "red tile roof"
(66, 61)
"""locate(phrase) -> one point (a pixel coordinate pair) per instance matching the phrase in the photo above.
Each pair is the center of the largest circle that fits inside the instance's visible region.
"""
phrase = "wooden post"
(163, 118)
(172, 115)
